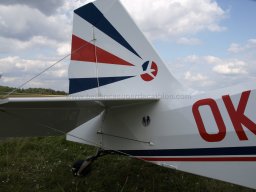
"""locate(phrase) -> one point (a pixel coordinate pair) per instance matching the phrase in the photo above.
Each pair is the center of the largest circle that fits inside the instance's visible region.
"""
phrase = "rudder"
(111, 56)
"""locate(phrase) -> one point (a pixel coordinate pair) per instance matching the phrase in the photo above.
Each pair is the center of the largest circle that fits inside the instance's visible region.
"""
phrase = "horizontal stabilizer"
(48, 116)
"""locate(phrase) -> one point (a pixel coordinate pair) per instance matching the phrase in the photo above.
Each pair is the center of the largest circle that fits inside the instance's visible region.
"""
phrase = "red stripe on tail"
(85, 51)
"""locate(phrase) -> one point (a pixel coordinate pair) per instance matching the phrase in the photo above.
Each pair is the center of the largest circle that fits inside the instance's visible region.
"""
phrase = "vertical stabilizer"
(111, 56)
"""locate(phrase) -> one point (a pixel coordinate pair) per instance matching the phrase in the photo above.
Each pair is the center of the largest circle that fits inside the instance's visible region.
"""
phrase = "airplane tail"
(111, 56)
(212, 135)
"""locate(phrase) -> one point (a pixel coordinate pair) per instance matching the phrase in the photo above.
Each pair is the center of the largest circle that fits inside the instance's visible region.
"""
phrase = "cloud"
(38, 37)
(174, 18)
(64, 49)
(235, 48)
(202, 81)
(33, 22)
(228, 66)
(15, 71)
(195, 77)
(238, 48)
(46, 7)
(28, 22)
(31, 40)
(33, 34)
(188, 41)
(209, 72)
(37, 47)
(14, 45)
(231, 67)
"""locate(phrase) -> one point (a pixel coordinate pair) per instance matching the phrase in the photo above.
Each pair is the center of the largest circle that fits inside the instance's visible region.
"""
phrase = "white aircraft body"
(123, 98)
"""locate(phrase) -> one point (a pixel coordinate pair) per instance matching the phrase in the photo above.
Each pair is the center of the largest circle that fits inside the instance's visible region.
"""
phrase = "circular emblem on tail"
(150, 70)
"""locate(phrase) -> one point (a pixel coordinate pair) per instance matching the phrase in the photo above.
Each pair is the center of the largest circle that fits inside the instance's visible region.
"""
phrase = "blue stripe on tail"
(82, 84)
(92, 14)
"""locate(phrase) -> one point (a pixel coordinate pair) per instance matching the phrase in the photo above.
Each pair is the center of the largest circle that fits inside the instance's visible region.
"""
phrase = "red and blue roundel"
(150, 70)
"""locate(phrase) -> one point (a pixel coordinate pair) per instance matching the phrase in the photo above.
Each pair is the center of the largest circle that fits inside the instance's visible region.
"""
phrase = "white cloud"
(209, 72)
(174, 18)
(37, 47)
(188, 41)
(46, 7)
(28, 22)
(12, 45)
(79, 3)
(30, 41)
(238, 48)
(219, 65)
(15, 71)
(235, 48)
(8, 80)
(252, 43)
(64, 49)
(231, 67)
(25, 46)
(195, 77)
(201, 81)
(202, 60)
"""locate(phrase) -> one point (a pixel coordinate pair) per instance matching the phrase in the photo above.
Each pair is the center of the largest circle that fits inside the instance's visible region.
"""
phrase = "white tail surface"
(111, 56)
(201, 135)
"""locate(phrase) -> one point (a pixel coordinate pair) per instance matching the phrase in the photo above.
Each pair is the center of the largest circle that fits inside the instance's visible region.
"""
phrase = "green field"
(30, 92)
(43, 164)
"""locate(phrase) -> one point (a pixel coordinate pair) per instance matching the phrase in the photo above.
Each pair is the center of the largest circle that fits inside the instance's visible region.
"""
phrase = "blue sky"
(239, 30)
(240, 26)
(207, 44)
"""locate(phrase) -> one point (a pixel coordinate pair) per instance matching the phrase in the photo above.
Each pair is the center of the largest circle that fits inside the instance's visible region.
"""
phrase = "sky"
(206, 44)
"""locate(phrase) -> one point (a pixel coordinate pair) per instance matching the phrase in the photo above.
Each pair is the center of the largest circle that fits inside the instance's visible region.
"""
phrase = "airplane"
(122, 98)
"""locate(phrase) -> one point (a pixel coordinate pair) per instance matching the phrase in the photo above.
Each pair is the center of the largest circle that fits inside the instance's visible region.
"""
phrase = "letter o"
(216, 137)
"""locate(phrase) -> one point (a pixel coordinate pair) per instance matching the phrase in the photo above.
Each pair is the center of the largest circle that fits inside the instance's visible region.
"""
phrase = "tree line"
(38, 91)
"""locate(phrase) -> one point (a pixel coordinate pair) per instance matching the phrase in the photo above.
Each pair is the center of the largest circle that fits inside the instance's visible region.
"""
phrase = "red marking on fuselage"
(217, 116)
(237, 117)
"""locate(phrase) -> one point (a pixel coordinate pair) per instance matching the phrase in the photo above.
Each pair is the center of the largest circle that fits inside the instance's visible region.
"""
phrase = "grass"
(43, 164)
(30, 92)
(29, 95)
